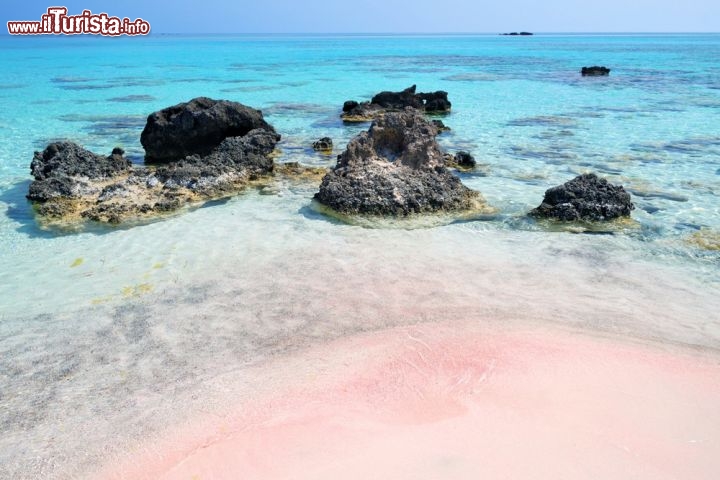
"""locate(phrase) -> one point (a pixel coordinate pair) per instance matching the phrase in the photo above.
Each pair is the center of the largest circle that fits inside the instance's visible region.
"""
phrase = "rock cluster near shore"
(206, 149)
(585, 198)
(383, 102)
(396, 168)
(209, 149)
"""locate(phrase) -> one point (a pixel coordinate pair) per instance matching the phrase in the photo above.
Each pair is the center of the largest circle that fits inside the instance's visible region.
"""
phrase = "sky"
(393, 16)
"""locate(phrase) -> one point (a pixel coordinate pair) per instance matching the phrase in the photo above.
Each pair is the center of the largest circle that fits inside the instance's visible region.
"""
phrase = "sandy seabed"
(458, 401)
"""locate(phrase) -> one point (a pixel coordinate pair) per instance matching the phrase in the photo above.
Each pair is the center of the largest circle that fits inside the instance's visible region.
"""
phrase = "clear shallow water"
(95, 327)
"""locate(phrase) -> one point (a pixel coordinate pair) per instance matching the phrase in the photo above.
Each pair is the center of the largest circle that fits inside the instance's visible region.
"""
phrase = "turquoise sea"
(108, 334)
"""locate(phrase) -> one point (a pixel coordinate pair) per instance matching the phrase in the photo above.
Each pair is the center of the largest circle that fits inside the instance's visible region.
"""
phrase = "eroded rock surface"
(396, 168)
(586, 197)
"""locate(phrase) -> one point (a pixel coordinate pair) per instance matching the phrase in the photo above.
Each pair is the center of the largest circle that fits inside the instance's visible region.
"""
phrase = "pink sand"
(458, 402)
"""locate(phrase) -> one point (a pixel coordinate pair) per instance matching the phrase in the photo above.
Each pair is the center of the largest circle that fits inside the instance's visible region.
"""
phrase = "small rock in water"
(595, 71)
(325, 144)
(462, 160)
(465, 160)
(586, 197)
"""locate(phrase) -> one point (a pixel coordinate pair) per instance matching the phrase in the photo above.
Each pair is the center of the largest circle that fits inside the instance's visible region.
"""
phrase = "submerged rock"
(196, 127)
(396, 168)
(325, 144)
(586, 197)
(72, 183)
(705, 239)
(595, 71)
(434, 102)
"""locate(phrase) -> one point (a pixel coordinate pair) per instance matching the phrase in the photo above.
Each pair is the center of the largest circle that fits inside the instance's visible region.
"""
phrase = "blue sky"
(395, 16)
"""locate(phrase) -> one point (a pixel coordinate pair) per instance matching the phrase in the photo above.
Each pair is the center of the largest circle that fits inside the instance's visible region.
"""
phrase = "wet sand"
(457, 401)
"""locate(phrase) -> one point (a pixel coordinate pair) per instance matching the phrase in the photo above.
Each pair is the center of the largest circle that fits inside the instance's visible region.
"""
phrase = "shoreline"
(456, 399)
(129, 370)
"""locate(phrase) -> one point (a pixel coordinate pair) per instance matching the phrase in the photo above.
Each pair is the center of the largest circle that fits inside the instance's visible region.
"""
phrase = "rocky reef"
(586, 197)
(396, 168)
(208, 148)
(595, 71)
(383, 102)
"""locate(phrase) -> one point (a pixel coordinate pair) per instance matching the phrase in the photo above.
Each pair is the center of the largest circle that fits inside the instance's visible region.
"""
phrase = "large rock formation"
(72, 183)
(396, 168)
(586, 197)
(435, 102)
(196, 127)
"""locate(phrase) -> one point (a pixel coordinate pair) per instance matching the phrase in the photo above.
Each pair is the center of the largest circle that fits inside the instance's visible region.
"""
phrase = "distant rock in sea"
(209, 149)
(595, 71)
(586, 197)
(434, 103)
(396, 168)
(513, 34)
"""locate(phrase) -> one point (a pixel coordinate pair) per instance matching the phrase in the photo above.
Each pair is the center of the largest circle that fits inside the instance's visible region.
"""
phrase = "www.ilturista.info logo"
(57, 22)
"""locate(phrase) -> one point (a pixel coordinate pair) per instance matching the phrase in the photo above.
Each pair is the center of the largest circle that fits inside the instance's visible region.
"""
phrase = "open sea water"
(107, 334)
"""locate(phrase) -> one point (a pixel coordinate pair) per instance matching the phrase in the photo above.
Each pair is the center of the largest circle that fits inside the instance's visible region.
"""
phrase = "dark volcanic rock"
(398, 100)
(395, 168)
(70, 159)
(595, 71)
(66, 170)
(465, 160)
(349, 105)
(325, 144)
(218, 173)
(434, 102)
(196, 127)
(586, 197)
(74, 184)
(441, 127)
